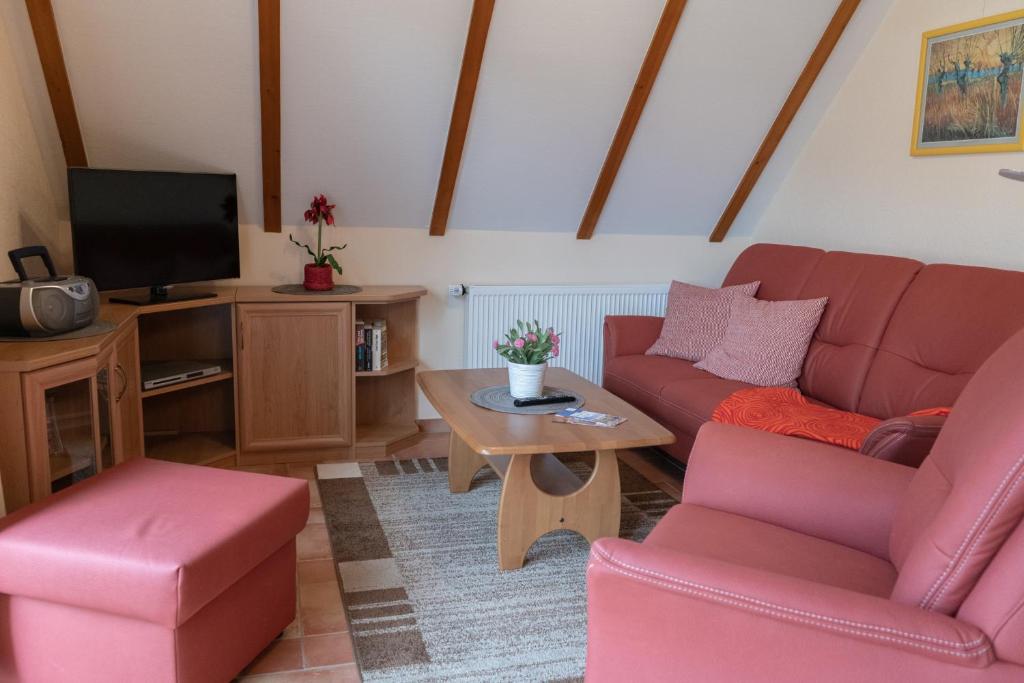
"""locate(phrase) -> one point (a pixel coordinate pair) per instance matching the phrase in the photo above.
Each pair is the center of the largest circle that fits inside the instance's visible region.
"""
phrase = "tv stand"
(162, 295)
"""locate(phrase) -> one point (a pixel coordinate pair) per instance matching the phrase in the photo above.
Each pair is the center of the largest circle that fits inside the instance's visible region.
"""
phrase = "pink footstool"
(150, 571)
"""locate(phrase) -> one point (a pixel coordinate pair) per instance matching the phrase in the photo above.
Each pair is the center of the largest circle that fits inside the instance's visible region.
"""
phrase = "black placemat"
(499, 399)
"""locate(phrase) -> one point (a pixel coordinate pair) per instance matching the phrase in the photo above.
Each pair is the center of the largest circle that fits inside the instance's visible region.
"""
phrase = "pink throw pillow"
(696, 318)
(766, 341)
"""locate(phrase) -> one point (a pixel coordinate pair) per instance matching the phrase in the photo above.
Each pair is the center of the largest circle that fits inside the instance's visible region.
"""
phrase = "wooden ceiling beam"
(55, 73)
(462, 110)
(771, 141)
(270, 111)
(631, 116)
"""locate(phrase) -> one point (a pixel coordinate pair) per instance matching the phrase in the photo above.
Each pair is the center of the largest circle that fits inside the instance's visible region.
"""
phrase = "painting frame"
(921, 147)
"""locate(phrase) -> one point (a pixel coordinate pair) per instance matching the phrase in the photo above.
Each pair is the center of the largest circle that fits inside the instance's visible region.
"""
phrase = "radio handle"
(19, 255)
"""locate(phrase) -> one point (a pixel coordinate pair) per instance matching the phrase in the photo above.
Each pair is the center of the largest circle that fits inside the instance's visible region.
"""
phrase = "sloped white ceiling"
(367, 91)
(730, 68)
(167, 86)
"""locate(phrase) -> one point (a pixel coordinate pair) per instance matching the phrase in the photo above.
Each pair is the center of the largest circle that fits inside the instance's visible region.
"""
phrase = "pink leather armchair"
(797, 561)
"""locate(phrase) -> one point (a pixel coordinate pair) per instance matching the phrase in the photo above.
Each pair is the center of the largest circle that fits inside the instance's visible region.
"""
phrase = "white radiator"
(576, 311)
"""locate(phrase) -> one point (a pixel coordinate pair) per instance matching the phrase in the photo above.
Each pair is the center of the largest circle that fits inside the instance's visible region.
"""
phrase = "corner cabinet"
(300, 397)
(287, 389)
(295, 384)
(80, 418)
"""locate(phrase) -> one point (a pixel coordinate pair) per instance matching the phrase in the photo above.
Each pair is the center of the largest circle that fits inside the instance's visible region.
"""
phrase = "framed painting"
(969, 87)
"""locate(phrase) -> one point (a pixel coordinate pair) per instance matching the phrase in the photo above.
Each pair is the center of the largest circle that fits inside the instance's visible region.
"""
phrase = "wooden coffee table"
(539, 494)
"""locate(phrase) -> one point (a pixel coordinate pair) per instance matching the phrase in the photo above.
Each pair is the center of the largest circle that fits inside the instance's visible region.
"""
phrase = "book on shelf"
(587, 418)
(371, 345)
(360, 346)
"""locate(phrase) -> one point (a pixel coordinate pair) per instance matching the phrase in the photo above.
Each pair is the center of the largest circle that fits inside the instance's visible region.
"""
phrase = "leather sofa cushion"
(698, 530)
(689, 403)
(149, 540)
(781, 268)
(639, 379)
(949, 321)
(863, 290)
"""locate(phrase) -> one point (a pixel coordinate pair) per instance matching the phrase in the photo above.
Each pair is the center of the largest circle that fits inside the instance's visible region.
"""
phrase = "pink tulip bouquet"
(529, 344)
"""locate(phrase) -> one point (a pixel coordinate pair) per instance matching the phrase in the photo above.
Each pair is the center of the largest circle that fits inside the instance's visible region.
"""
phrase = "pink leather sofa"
(897, 336)
(150, 571)
(791, 560)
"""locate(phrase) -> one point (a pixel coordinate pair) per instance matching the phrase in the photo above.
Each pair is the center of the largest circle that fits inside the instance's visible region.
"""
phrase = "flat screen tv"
(153, 229)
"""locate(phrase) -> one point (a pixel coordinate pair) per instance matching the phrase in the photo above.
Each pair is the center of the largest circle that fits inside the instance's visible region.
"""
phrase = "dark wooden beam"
(631, 116)
(44, 29)
(462, 110)
(270, 111)
(814, 65)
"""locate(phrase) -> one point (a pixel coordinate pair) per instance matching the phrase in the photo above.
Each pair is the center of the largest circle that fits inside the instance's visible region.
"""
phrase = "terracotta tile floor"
(317, 646)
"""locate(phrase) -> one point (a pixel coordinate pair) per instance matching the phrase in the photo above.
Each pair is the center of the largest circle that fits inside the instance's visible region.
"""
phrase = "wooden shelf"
(391, 369)
(384, 434)
(64, 464)
(181, 386)
(192, 448)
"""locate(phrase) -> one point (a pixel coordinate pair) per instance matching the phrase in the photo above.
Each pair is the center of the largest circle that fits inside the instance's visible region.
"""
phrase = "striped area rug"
(419, 572)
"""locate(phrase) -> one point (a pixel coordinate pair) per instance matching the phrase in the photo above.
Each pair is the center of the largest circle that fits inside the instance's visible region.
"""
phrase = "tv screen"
(153, 228)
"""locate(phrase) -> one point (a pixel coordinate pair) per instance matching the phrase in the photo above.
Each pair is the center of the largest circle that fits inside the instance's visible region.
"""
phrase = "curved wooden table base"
(463, 464)
(539, 495)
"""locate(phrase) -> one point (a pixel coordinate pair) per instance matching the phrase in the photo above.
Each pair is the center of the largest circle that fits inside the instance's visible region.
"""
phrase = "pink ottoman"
(151, 572)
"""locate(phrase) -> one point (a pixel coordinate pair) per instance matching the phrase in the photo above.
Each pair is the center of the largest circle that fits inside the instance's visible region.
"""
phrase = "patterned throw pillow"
(765, 341)
(696, 318)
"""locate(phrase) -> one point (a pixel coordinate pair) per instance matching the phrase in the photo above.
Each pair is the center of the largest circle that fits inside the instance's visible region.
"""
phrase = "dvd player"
(163, 373)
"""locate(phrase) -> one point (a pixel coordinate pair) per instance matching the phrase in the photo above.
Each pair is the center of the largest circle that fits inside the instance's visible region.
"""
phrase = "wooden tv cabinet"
(287, 390)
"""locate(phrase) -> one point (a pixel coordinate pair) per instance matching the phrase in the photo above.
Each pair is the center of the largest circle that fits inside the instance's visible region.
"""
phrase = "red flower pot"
(318, 278)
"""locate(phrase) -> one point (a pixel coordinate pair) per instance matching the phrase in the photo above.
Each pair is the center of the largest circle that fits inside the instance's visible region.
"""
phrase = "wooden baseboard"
(433, 426)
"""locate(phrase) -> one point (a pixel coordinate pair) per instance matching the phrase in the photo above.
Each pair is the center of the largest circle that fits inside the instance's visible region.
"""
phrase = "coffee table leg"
(463, 464)
(526, 512)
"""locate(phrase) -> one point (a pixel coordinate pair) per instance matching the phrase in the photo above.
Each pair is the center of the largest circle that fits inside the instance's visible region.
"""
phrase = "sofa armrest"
(806, 486)
(654, 613)
(907, 440)
(628, 335)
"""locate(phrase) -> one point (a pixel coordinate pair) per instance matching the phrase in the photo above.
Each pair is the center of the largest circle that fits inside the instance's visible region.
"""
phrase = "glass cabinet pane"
(69, 434)
(106, 439)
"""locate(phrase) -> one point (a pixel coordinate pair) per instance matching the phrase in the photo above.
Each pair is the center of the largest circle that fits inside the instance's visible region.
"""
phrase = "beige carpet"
(425, 598)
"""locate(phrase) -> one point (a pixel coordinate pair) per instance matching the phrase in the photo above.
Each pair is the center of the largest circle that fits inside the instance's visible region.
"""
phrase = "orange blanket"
(786, 411)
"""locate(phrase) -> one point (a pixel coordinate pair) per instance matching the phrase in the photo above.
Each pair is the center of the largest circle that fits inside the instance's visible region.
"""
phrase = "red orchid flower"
(319, 210)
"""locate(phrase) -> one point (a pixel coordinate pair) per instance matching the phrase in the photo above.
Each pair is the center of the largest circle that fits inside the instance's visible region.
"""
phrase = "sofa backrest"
(967, 498)
(948, 322)
(781, 268)
(863, 291)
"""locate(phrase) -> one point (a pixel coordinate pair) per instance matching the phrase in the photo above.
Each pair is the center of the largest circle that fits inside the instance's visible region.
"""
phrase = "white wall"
(28, 213)
(411, 256)
(855, 185)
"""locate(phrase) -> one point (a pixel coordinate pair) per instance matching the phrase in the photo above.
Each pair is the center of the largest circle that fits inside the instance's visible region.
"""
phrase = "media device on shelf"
(165, 373)
(153, 229)
(44, 306)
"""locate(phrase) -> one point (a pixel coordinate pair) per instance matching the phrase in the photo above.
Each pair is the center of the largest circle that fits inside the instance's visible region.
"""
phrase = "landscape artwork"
(969, 87)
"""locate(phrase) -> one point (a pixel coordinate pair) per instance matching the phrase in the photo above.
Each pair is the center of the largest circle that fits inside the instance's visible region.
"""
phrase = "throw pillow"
(765, 341)
(695, 319)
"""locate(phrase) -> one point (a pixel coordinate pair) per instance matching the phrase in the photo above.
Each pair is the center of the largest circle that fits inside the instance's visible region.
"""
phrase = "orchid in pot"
(528, 348)
(318, 276)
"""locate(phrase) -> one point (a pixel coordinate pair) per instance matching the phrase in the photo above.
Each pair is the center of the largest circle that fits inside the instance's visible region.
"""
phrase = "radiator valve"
(456, 290)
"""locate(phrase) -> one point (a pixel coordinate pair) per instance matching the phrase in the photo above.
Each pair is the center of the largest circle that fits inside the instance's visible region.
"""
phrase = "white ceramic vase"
(526, 381)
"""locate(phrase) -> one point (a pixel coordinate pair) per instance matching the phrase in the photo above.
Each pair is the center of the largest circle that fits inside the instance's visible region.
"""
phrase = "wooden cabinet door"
(64, 424)
(126, 379)
(296, 376)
